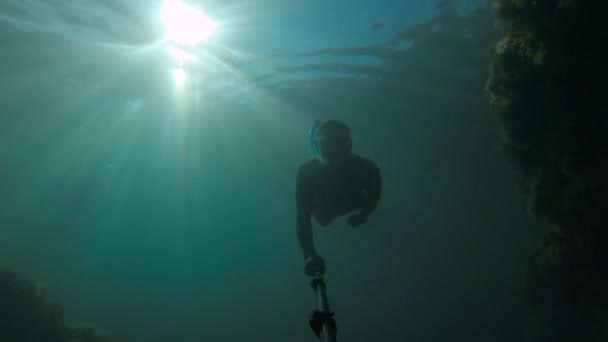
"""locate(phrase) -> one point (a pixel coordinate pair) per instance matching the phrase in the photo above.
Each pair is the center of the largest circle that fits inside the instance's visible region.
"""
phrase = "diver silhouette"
(333, 183)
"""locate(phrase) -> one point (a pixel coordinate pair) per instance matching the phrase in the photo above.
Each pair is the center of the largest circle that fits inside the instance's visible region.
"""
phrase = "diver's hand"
(356, 220)
(314, 264)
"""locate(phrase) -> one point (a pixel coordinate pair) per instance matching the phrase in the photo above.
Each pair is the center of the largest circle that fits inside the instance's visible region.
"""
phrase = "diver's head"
(333, 141)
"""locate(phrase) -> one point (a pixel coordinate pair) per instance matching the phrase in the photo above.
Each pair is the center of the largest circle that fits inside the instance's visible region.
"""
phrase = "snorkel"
(312, 139)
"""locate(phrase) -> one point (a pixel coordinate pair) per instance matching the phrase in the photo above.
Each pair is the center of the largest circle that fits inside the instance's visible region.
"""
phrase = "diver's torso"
(340, 189)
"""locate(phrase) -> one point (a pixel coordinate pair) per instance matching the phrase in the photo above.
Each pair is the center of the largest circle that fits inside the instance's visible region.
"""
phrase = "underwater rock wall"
(547, 86)
(27, 316)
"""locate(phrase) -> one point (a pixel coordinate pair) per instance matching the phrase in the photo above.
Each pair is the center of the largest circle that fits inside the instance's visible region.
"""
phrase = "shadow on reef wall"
(27, 316)
(547, 86)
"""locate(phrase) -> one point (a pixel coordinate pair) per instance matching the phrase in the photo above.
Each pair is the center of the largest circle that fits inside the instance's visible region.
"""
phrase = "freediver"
(333, 183)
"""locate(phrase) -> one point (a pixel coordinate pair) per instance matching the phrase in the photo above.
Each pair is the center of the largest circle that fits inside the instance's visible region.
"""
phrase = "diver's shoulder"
(358, 159)
(364, 164)
(309, 166)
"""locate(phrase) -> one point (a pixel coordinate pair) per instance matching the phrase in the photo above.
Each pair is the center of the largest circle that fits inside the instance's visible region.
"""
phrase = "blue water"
(160, 207)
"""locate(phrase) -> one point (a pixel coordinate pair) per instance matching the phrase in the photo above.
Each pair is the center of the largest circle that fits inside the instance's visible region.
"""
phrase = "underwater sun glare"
(185, 24)
(179, 77)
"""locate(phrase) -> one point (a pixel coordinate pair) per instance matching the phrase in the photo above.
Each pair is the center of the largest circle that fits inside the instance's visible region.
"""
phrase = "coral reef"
(27, 316)
(85, 333)
(544, 86)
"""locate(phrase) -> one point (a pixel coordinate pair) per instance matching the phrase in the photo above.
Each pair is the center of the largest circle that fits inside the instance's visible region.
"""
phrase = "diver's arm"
(304, 205)
(374, 189)
(305, 236)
